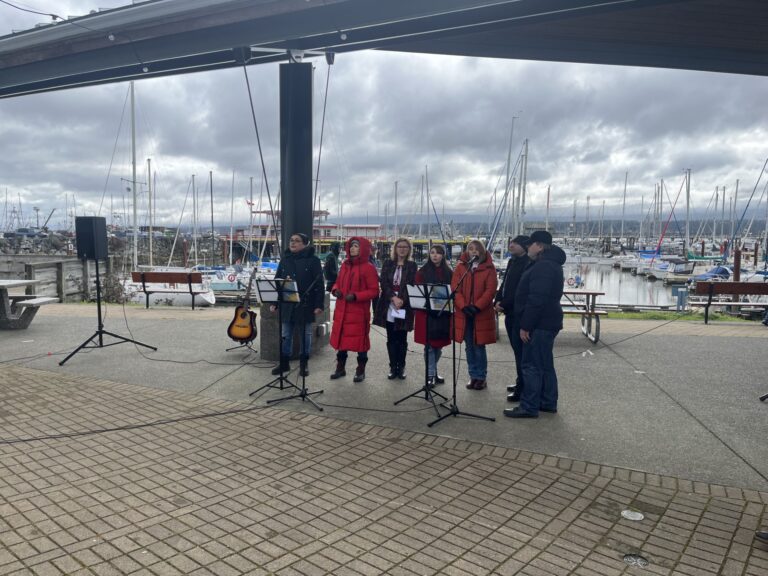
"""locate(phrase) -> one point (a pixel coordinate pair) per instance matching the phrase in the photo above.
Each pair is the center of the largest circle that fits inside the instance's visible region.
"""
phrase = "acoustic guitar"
(243, 326)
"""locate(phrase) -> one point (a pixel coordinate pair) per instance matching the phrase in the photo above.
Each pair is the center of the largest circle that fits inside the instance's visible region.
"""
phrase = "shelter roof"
(164, 37)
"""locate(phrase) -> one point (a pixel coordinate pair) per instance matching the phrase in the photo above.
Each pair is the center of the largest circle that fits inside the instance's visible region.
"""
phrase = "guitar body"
(243, 326)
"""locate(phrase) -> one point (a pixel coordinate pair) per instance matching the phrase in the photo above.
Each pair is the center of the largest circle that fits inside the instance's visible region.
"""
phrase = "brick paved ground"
(223, 488)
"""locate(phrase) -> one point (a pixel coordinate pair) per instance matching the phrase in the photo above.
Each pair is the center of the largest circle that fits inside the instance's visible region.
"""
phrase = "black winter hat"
(541, 236)
(522, 240)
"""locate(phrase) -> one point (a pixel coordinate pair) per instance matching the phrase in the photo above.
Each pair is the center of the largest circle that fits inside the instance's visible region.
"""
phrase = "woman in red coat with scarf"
(474, 281)
(435, 271)
(356, 285)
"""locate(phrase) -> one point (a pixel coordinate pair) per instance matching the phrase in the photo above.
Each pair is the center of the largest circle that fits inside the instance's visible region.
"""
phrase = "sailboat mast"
(426, 184)
(232, 219)
(546, 218)
(395, 228)
(133, 180)
(213, 235)
(524, 178)
(733, 210)
(250, 219)
(687, 243)
(194, 217)
(149, 190)
(421, 205)
(623, 208)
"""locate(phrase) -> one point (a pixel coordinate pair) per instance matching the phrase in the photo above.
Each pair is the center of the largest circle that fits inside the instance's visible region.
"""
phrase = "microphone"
(473, 259)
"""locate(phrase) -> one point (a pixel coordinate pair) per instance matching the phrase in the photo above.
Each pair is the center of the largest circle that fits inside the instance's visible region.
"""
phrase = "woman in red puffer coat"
(356, 285)
(435, 271)
(474, 316)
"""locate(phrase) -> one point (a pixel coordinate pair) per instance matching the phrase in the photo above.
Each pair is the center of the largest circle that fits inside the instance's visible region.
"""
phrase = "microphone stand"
(453, 408)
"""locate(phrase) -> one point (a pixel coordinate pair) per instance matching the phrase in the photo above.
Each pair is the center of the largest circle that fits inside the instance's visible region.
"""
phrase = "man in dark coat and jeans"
(540, 316)
(299, 263)
(505, 302)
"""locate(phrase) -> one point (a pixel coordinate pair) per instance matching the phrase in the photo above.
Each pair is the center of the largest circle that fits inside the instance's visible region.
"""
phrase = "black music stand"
(428, 297)
(100, 332)
(303, 393)
(453, 408)
(276, 291)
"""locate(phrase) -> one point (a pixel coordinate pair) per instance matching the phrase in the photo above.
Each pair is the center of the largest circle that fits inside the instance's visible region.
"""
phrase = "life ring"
(231, 277)
(571, 281)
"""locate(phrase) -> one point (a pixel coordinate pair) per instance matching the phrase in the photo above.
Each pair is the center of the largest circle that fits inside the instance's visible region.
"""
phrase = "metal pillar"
(295, 150)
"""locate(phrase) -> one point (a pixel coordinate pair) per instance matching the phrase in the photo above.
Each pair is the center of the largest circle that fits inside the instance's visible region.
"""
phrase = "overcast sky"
(389, 115)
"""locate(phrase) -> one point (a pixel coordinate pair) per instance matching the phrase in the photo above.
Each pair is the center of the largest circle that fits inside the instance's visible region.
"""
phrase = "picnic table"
(584, 303)
(17, 312)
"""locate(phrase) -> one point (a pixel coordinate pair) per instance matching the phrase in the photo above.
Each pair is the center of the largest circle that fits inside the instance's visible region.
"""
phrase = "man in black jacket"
(505, 303)
(300, 264)
(540, 316)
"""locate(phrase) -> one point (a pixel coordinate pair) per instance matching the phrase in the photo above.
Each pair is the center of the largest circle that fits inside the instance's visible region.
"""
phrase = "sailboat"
(166, 294)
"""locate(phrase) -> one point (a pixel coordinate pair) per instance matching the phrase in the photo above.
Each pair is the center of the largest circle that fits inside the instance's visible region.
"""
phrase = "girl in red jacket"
(474, 317)
(355, 287)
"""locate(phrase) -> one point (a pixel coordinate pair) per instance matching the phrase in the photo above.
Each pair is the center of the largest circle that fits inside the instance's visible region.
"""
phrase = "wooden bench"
(711, 289)
(192, 283)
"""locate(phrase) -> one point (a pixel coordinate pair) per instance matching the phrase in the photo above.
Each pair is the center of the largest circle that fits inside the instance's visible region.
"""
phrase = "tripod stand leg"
(453, 410)
(76, 350)
(124, 339)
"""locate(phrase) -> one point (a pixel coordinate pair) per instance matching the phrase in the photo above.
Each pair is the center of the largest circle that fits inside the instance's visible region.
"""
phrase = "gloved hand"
(471, 310)
(336, 292)
(350, 297)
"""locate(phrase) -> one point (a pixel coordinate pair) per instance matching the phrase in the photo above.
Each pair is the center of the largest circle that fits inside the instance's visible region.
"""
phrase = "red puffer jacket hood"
(365, 250)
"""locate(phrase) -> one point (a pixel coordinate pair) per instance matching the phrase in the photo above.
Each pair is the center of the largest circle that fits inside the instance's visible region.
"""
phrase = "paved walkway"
(105, 477)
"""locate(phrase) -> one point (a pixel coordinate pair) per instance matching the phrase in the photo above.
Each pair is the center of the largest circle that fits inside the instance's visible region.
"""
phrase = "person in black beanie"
(540, 317)
(505, 304)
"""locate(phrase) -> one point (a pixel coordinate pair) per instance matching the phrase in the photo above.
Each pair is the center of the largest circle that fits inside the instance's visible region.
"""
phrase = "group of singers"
(529, 298)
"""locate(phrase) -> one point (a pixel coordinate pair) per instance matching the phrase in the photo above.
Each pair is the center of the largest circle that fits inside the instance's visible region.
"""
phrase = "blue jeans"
(477, 360)
(432, 356)
(540, 388)
(286, 334)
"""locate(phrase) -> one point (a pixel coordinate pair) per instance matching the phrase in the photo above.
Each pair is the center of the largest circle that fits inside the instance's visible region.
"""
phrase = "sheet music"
(438, 296)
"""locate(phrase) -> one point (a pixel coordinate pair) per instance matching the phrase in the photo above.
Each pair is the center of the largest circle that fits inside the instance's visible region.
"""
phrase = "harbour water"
(621, 288)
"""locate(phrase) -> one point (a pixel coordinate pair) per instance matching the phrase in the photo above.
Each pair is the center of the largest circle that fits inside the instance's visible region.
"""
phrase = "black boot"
(284, 366)
(360, 370)
(401, 354)
(304, 366)
(340, 371)
(391, 352)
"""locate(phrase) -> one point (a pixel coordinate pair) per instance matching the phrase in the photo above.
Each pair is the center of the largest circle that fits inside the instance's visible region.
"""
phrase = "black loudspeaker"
(91, 236)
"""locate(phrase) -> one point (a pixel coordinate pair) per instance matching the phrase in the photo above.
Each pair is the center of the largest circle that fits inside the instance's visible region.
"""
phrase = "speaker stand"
(100, 332)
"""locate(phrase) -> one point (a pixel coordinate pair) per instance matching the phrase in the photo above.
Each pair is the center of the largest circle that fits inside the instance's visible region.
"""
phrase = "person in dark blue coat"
(299, 263)
(540, 316)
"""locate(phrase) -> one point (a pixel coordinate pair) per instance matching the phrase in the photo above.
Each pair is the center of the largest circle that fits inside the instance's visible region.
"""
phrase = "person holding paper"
(392, 309)
(474, 281)
(435, 333)
(355, 287)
